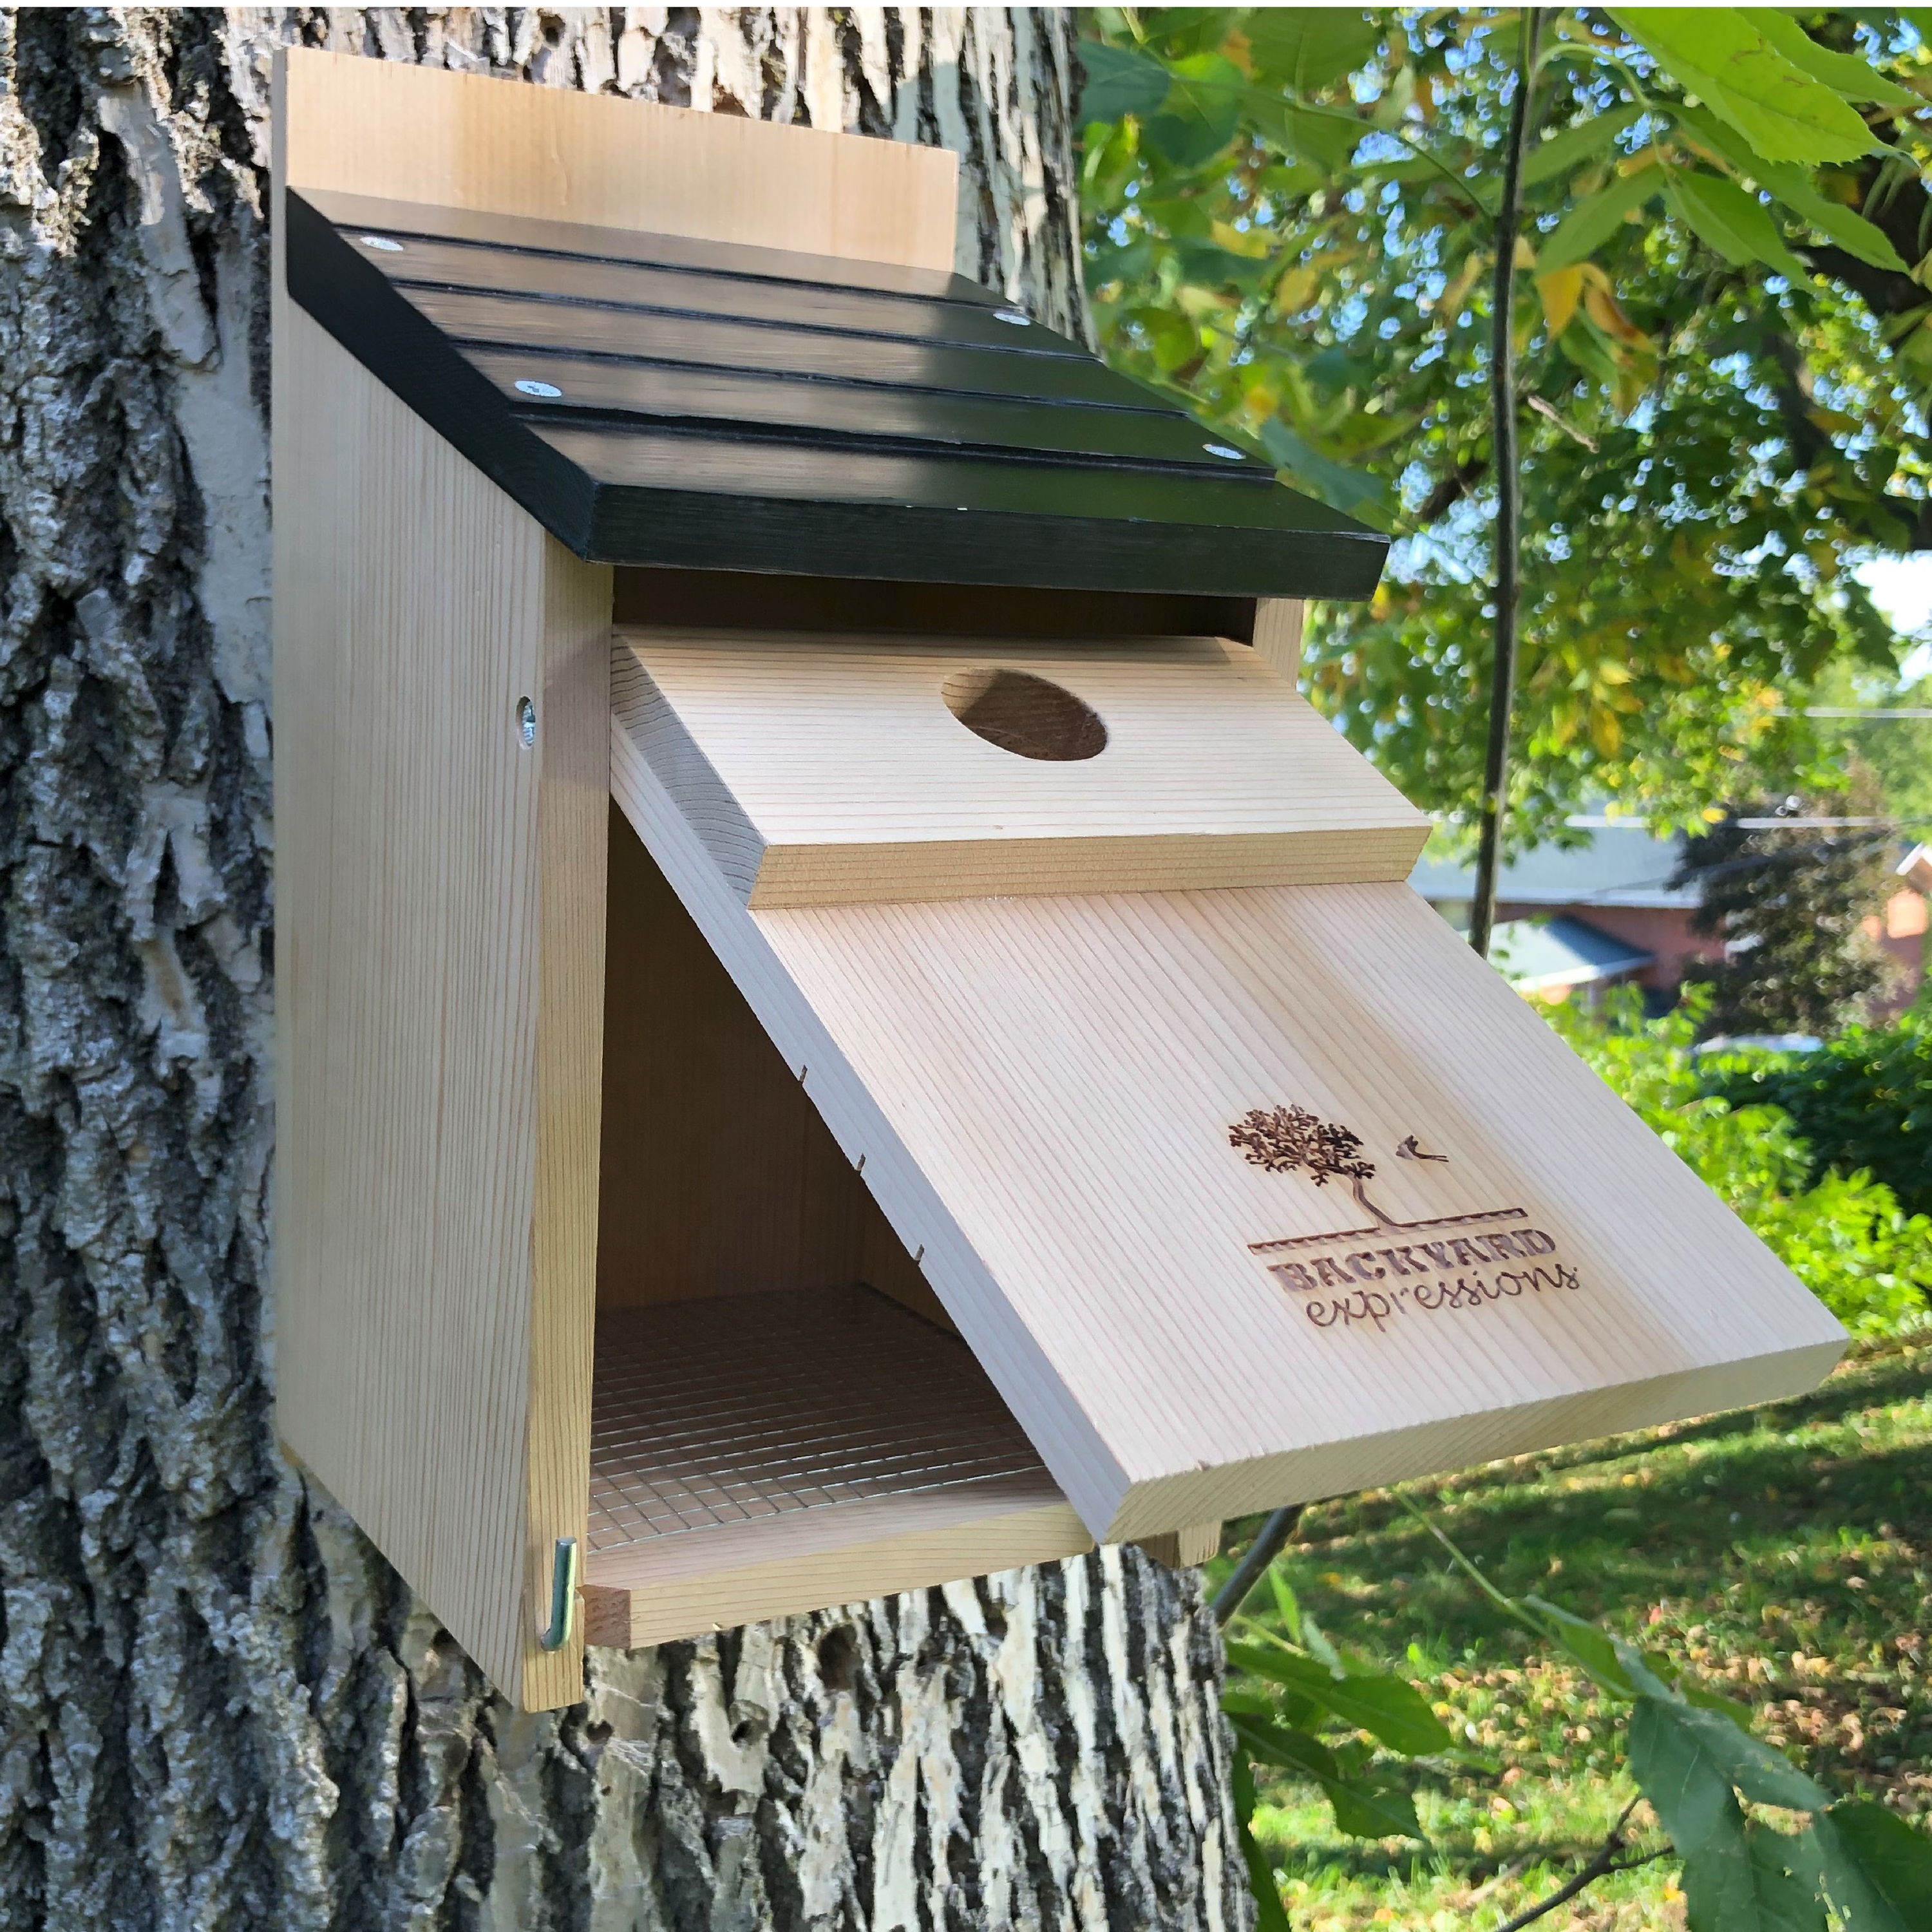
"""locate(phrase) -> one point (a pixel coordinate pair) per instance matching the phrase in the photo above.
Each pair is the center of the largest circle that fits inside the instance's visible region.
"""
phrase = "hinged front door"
(1245, 1180)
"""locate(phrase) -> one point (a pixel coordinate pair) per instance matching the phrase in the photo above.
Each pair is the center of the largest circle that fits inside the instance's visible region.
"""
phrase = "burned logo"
(1495, 1257)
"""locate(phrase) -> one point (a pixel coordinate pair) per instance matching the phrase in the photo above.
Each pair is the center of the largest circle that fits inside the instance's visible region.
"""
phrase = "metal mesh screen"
(707, 1413)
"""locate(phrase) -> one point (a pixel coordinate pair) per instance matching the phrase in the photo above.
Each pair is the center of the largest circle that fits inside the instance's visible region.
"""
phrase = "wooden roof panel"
(655, 400)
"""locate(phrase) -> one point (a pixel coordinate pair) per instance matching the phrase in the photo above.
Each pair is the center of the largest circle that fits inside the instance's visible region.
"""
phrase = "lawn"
(1785, 1553)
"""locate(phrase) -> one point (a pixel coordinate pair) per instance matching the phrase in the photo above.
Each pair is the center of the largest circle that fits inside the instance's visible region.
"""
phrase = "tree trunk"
(219, 1708)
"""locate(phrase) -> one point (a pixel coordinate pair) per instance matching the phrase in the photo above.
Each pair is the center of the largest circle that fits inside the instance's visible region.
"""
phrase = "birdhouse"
(841, 1024)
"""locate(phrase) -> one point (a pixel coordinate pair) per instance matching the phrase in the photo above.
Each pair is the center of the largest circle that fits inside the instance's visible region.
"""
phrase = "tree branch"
(1451, 490)
(1606, 1862)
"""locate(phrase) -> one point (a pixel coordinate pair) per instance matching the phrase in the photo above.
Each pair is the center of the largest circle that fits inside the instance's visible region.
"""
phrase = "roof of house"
(1543, 955)
(1620, 865)
(655, 400)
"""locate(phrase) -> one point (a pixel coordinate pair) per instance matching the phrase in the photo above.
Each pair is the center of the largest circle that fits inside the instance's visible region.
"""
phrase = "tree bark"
(219, 1709)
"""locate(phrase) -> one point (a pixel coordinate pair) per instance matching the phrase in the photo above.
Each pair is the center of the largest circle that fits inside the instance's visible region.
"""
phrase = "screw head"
(526, 723)
(529, 388)
(1014, 318)
(1222, 450)
(383, 244)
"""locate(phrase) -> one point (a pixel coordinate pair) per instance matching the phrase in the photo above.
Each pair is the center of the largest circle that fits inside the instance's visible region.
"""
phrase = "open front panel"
(825, 769)
(781, 1414)
(1136, 1138)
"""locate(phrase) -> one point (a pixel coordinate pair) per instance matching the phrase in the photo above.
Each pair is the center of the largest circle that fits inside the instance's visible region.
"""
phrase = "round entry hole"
(1030, 716)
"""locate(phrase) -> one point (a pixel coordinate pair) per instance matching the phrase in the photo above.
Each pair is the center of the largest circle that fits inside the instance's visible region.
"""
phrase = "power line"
(1859, 712)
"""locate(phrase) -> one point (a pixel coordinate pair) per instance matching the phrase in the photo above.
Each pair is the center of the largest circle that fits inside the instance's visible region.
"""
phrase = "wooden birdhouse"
(841, 1024)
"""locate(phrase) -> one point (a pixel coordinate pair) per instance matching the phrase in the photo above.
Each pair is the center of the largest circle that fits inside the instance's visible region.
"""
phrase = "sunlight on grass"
(1785, 1553)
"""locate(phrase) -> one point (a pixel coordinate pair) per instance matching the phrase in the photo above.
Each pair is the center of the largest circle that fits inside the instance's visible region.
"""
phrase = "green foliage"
(1790, 904)
(1718, 407)
(1843, 1234)
(1693, 1755)
(1290, 1687)
(1863, 1102)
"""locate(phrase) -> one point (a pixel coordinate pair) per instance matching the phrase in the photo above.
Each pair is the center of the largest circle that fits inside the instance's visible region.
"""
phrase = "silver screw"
(526, 722)
(1015, 317)
(1221, 449)
(383, 242)
(528, 387)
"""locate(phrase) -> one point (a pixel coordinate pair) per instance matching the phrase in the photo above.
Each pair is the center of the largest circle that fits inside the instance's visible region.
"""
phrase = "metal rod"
(1265, 1548)
(1509, 496)
(562, 1594)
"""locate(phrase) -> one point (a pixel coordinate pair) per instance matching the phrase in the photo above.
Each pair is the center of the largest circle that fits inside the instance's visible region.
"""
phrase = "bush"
(1864, 1101)
(1845, 1235)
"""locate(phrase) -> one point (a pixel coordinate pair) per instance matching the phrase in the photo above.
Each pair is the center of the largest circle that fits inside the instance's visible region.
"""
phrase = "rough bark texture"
(218, 1708)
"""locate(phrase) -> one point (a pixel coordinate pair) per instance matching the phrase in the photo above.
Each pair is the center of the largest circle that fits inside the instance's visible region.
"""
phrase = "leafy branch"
(1603, 1865)
(1691, 1750)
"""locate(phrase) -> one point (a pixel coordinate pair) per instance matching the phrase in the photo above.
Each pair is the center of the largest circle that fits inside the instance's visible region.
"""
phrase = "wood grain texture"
(875, 1549)
(1184, 1549)
(410, 134)
(1043, 1089)
(692, 1084)
(440, 928)
(439, 892)
(827, 771)
(1277, 635)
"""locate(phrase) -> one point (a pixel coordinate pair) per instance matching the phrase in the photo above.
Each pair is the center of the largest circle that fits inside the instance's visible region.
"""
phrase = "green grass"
(1783, 1553)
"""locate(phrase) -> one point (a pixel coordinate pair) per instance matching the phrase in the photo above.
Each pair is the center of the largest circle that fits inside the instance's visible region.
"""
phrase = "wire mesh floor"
(706, 1413)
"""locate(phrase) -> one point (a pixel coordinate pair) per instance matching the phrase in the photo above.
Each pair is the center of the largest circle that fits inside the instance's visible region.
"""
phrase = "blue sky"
(1901, 587)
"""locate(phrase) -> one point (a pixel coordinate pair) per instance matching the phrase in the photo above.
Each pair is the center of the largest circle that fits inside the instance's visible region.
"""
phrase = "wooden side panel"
(572, 753)
(439, 919)
(1278, 622)
(719, 1176)
(828, 771)
(411, 133)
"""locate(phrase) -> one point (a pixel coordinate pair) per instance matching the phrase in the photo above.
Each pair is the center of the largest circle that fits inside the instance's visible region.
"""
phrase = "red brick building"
(1605, 912)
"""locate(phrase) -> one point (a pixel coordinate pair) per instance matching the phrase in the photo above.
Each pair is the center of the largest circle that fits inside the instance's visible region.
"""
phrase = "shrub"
(1845, 1235)
(1862, 1101)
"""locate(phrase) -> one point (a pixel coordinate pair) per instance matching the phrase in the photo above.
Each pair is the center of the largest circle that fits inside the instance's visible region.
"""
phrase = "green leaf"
(1878, 1870)
(1286, 1748)
(1201, 111)
(1733, 221)
(1592, 1648)
(1561, 152)
(1305, 48)
(1285, 1602)
(1845, 226)
(1324, 141)
(1119, 81)
(1386, 1708)
(1237, 1703)
(1686, 1746)
(1687, 1789)
(1793, 187)
(1716, 53)
(1269, 1915)
(1595, 219)
(1373, 1811)
(1713, 1700)
(1850, 75)
(1782, 1871)
(1364, 1806)
(1343, 488)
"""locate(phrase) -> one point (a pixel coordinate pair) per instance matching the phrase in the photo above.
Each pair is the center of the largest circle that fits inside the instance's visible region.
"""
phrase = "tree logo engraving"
(1291, 1139)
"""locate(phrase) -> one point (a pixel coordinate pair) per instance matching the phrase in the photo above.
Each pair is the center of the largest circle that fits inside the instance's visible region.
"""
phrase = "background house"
(1604, 912)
